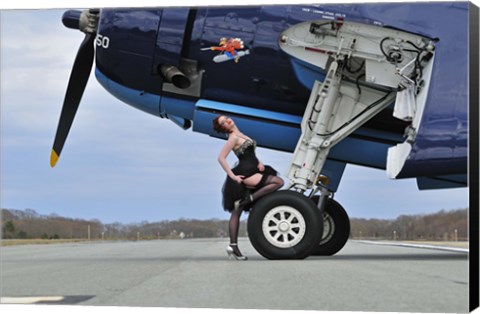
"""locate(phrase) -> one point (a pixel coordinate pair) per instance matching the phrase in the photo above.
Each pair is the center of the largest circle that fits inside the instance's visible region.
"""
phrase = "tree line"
(441, 226)
(28, 224)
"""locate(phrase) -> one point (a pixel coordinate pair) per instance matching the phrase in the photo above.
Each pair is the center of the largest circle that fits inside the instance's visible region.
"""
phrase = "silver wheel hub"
(284, 226)
(328, 228)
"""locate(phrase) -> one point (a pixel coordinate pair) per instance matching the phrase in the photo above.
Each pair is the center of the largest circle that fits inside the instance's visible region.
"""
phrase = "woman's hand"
(238, 179)
(261, 167)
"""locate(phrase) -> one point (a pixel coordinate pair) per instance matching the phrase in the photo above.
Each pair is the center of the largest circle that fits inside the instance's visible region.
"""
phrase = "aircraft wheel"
(284, 225)
(336, 229)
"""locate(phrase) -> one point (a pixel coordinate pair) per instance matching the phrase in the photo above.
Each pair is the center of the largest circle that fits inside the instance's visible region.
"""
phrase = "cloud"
(37, 55)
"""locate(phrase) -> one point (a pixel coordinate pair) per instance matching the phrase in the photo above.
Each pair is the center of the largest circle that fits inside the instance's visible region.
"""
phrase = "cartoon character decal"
(229, 50)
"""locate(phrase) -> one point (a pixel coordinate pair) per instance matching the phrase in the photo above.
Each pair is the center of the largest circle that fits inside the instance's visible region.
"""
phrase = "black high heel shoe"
(232, 253)
(245, 202)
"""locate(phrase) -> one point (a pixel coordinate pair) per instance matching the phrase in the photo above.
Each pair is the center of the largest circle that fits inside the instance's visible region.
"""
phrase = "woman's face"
(226, 122)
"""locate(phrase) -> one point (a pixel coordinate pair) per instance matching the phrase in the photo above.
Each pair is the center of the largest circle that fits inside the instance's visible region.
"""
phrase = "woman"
(246, 182)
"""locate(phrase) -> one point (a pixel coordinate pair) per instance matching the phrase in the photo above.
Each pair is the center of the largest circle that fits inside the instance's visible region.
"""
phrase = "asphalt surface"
(196, 273)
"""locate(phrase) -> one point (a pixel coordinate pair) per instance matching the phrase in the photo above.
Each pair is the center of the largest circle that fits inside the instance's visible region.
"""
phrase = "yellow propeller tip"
(53, 158)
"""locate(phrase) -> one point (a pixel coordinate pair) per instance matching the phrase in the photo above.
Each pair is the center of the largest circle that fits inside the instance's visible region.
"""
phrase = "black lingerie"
(247, 166)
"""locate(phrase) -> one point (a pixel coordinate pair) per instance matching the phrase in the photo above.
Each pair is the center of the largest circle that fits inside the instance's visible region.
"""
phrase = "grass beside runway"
(13, 242)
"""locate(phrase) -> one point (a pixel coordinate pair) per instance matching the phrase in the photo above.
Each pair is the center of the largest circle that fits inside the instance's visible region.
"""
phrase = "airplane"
(380, 85)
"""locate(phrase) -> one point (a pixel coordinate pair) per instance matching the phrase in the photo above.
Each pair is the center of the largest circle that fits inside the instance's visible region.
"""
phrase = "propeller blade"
(76, 86)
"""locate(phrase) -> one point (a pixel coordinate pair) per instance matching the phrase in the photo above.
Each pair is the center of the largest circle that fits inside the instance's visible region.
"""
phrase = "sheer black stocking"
(272, 183)
(233, 226)
(267, 185)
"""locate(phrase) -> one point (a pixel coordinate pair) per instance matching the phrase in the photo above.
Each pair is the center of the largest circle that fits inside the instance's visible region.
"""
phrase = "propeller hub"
(88, 22)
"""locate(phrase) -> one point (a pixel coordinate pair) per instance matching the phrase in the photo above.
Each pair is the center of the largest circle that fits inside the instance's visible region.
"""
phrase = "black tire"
(336, 229)
(284, 225)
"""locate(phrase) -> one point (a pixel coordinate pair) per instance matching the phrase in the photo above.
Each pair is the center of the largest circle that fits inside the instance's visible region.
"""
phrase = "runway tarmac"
(196, 273)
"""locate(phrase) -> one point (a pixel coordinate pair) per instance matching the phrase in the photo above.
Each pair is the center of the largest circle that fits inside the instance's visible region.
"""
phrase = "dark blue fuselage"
(272, 89)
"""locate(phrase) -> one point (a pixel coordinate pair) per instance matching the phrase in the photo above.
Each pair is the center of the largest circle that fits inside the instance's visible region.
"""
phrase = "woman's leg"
(272, 183)
(263, 187)
(253, 180)
(233, 227)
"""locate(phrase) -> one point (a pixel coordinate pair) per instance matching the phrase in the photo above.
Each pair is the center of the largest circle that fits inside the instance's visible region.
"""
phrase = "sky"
(120, 164)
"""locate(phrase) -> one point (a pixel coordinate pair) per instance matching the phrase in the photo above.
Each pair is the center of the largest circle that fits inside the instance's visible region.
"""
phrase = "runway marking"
(420, 246)
(69, 299)
(31, 300)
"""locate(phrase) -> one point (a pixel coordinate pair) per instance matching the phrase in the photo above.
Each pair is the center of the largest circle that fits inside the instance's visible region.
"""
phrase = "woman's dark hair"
(216, 125)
